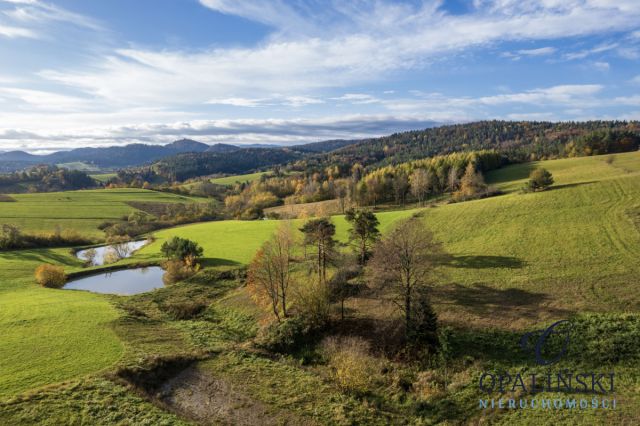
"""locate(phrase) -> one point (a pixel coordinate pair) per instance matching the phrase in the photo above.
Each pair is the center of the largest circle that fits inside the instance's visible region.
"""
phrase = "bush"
(539, 180)
(287, 336)
(50, 276)
(354, 370)
(185, 310)
(177, 271)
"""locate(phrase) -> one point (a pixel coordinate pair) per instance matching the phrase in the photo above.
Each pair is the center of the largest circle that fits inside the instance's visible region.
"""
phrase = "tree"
(404, 263)
(452, 179)
(400, 187)
(181, 249)
(539, 180)
(10, 237)
(90, 256)
(271, 268)
(472, 183)
(420, 181)
(318, 233)
(363, 233)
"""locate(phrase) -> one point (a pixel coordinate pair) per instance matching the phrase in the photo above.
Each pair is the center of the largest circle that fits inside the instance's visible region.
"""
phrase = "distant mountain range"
(115, 157)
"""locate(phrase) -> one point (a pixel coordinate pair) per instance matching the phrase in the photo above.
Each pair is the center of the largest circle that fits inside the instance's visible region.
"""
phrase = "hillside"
(518, 262)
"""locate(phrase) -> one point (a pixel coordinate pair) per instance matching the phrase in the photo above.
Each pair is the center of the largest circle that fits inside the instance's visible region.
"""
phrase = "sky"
(78, 73)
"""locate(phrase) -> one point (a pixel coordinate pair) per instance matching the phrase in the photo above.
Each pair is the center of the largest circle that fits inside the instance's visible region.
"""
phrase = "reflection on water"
(111, 253)
(125, 283)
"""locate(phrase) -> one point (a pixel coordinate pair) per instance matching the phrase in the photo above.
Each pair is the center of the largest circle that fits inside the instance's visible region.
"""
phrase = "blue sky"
(79, 73)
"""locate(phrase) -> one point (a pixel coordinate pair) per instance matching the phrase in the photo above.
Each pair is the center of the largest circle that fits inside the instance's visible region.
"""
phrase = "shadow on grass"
(505, 304)
(510, 173)
(212, 262)
(42, 256)
(485, 262)
(571, 185)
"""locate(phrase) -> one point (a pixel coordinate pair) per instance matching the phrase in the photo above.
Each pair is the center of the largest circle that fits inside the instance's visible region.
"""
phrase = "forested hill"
(184, 166)
(517, 140)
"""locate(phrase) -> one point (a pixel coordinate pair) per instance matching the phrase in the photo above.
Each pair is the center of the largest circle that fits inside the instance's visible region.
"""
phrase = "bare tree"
(453, 181)
(404, 263)
(421, 181)
(270, 270)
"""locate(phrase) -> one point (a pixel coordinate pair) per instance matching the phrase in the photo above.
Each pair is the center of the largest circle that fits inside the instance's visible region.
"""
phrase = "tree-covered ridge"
(45, 178)
(189, 165)
(518, 141)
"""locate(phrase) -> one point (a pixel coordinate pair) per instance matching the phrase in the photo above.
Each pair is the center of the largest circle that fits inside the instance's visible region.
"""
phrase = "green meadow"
(81, 211)
(232, 180)
(518, 260)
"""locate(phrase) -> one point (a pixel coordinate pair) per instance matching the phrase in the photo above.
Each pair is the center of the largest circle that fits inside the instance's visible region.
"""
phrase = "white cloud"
(601, 66)
(635, 80)
(542, 51)
(239, 102)
(15, 32)
(358, 98)
(333, 49)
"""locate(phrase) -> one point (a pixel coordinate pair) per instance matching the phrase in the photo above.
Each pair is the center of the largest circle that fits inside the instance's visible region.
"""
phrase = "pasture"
(517, 261)
(81, 211)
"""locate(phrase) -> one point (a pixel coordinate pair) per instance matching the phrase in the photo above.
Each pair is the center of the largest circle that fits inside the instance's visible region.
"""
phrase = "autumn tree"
(404, 264)
(539, 180)
(472, 183)
(318, 234)
(270, 271)
(363, 233)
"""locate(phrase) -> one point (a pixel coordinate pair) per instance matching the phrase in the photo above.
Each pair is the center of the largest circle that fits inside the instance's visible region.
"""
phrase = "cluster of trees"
(182, 259)
(414, 181)
(298, 276)
(46, 178)
(517, 141)
(190, 165)
(12, 238)
(161, 216)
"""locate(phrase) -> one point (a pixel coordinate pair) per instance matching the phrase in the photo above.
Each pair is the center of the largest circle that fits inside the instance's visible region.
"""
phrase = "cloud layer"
(307, 75)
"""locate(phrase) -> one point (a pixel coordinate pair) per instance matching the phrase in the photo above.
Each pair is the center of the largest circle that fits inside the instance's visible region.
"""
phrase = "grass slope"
(232, 180)
(49, 335)
(82, 211)
(518, 260)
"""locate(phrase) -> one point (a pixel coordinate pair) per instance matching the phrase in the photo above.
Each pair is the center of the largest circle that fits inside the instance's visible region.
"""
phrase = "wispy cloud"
(316, 54)
(542, 51)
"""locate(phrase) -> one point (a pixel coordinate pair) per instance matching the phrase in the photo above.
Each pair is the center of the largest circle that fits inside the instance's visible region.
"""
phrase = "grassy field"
(518, 261)
(82, 211)
(49, 335)
(231, 180)
(103, 177)
(517, 247)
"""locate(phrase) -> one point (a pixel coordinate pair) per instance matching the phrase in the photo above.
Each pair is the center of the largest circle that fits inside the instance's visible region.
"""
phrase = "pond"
(110, 253)
(124, 283)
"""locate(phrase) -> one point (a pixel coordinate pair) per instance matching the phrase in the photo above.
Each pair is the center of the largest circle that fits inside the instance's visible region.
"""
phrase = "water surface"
(124, 283)
(103, 252)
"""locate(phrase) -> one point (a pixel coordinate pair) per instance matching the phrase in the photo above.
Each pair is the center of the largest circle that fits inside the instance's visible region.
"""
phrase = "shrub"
(539, 180)
(354, 370)
(177, 271)
(185, 310)
(50, 276)
(287, 336)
